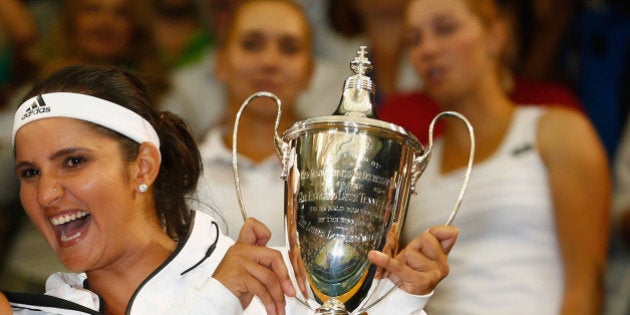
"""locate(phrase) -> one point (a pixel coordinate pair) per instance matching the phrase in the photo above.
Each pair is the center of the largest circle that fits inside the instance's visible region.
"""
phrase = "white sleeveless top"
(507, 258)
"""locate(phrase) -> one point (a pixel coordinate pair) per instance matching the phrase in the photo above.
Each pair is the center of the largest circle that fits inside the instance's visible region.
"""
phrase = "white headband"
(88, 108)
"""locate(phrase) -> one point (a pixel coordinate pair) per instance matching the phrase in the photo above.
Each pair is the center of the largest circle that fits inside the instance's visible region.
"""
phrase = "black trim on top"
(43, 300)
(164, 264)
(208, 252)
(175, 253)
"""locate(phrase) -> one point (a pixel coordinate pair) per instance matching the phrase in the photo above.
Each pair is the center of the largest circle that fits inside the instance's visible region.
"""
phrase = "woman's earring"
(143, 188)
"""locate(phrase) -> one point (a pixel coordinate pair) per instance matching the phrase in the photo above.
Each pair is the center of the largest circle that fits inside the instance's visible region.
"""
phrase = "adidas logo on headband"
(37, 107)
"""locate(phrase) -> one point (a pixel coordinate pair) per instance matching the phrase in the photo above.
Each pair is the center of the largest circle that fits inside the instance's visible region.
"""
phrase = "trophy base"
(332, 307)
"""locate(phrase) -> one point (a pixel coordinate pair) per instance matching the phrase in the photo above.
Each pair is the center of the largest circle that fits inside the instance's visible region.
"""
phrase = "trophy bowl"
(348, 179)
(347, 188)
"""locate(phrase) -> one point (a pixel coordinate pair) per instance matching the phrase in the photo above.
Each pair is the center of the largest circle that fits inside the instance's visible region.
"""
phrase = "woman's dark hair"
(181, 162)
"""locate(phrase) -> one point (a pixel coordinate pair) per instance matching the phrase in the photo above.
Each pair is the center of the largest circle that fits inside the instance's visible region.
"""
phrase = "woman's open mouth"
(70, 226)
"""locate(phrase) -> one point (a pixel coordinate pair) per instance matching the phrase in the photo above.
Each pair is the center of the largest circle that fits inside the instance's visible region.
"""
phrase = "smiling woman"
(88, 171)
(106, 190)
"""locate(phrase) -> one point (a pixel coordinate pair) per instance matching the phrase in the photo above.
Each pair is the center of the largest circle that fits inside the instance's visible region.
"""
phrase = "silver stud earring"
(54, 189)
(143, 188)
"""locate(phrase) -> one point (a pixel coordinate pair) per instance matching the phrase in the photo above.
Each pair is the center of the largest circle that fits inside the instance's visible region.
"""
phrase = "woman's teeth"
(65, 238)
(63, 219)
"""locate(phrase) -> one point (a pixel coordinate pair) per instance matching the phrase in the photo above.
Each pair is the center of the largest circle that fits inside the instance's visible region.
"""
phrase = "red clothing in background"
(414, 111)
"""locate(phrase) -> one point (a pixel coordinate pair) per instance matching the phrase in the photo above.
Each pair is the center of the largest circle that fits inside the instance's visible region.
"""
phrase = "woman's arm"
(5, 307)
(581, 187)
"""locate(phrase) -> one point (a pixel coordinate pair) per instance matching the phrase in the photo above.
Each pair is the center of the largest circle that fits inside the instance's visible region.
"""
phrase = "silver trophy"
(348, 178)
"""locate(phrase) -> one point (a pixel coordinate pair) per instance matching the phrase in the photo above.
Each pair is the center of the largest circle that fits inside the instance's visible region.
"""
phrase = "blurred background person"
(198, 96)
(415, 110)
(100, 32)
(267, 47)
(181, 32)
(18, 33)
(535, 220)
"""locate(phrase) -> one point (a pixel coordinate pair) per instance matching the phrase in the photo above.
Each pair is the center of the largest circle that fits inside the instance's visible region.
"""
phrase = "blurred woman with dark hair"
(97, 32)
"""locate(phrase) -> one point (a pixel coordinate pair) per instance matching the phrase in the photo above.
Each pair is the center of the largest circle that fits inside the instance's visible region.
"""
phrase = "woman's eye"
(290, 46)
(445, 28)
(253, 42)
(74, 161)
(28, 173)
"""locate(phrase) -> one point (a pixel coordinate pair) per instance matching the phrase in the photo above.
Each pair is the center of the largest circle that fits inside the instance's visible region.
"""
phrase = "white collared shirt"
(261, 187)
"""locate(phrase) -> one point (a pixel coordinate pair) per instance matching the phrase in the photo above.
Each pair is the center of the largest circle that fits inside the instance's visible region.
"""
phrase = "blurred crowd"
(571, 53)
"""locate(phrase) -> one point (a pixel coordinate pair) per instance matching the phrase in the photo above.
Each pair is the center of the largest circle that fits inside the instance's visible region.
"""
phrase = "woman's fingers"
(419, 280)
(430, 246)
(420, 266)
(248, 270)
(446, 235)
(254, 232)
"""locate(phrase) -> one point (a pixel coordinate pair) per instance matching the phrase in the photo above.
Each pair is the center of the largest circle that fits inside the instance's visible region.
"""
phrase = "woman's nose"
(49, 190)
(428, 46)
(271, 56)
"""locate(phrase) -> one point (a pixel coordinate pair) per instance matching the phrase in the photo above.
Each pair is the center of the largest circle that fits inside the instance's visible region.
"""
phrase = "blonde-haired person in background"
(269, 51)
(535, 221)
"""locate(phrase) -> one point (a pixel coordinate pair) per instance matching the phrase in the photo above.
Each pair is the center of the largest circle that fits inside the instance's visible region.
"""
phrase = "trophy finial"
(361, 64)
(358, 89)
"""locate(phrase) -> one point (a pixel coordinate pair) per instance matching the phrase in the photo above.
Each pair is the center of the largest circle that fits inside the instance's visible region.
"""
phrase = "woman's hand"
(250, 269)
(421, 265)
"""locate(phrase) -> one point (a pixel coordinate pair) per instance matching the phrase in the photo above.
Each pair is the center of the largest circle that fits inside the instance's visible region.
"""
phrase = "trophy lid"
(358, 91)
(356, 108)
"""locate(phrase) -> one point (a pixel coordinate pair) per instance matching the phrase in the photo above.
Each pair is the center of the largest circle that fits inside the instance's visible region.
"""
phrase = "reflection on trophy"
(348, 179)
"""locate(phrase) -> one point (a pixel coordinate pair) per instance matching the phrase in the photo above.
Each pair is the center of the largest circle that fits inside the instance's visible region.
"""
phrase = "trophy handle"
(420, 163)
(423, 160)
(279, 144)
